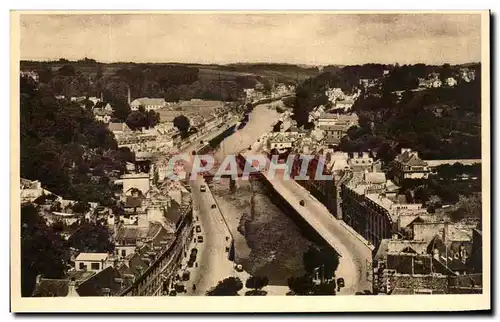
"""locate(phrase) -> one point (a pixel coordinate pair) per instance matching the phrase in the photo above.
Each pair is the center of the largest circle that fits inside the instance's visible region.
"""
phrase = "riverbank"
(267, 241)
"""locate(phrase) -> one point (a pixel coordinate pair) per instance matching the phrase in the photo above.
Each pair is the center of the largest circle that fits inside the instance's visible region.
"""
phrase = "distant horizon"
(56, 60)
(221, 38)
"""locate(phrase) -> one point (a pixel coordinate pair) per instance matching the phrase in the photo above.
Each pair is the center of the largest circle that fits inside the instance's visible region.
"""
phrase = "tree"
(228, 287)
(302, 285)
(136, 120)
(121, 110)
(43, 251)
(324, 288)
(92, 238)
(81, 207)
(153, 118)
(325, 260)
(422, 194)
(257, 282)
(181, 122)
(67, 70)
(172, 95)
(311, 259)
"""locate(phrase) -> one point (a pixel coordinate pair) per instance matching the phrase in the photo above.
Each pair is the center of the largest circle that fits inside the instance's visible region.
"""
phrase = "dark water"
(277, 244)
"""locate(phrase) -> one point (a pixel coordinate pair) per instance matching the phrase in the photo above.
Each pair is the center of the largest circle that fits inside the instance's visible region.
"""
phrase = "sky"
(299, 38)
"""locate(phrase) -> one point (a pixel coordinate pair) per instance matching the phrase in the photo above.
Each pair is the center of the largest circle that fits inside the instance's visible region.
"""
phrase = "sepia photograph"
(288, 161)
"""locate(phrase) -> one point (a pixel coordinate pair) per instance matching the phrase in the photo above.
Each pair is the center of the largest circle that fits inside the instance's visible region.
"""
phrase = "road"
(212, 258)
(207, 136)
(355, 255)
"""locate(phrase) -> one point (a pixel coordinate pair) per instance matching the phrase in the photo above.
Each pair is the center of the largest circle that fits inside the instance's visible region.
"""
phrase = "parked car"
(203, 188)
(340, 282)
(198, 229)
(302, 203)
(239, 268)
(186, 275)
(194, 251)
(190, 263)
(200, 239)
(214, 206)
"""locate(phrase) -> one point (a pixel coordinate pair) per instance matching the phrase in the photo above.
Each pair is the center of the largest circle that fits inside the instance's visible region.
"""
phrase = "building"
(95, 262)
(148, 103)
(31, 190)
(107, 282)
(430, 82)
(467, 75)
(371, 204)
(119, 129)
(335, 126)
(367, 82)
(135, 181)
(154, 265)
(334, 94)
(94, 100)
(30, 74)
(451, 82)
(335, 119)
(326, 191)
(333, 134)
(280, 141)
(408, 165)
(436, 83)
(345, 104)
(102, 115)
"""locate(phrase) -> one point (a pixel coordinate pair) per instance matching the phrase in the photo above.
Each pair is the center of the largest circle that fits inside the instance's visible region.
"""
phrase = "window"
(82, 266)
(124, 252)
(94, 266)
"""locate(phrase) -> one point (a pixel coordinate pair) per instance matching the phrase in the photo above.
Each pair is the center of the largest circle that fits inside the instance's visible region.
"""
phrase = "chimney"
(106, 291)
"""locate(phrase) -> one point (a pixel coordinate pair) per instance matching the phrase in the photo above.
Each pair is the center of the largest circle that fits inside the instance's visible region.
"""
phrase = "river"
(267, 241)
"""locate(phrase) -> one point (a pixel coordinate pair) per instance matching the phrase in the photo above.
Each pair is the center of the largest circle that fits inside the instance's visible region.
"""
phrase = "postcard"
(289, 161)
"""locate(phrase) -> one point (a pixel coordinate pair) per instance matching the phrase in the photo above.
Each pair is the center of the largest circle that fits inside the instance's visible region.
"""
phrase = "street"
(212, 259)
(353, 263)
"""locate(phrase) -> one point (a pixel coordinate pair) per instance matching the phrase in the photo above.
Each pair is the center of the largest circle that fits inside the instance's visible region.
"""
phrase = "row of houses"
(415, 252)
(150, 237)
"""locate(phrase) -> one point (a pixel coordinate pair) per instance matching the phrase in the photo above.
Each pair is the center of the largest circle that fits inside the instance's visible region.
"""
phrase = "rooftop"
(108, 279)
(146, 101)
(409, 157)
(116, 127)
(92, 257)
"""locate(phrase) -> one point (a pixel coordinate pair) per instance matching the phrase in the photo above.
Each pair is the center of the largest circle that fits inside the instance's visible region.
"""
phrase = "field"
(282, 73)
(189, 108)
